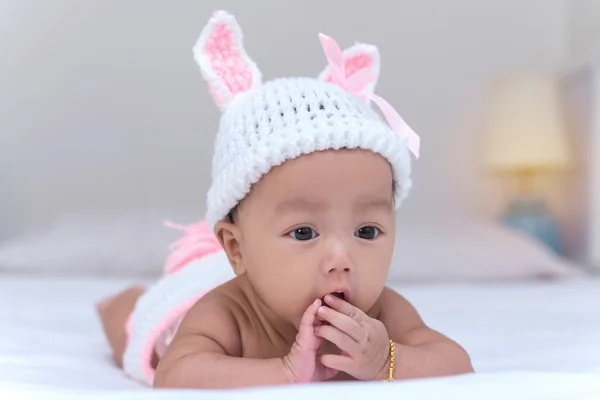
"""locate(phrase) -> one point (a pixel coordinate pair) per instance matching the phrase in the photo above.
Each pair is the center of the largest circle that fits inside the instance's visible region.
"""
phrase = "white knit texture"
(161, 300)
(286, 118)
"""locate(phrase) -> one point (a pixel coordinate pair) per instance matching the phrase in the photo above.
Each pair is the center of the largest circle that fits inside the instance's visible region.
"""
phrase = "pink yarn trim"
(150, 342)
(226, 60)
(198, 241)
(223, 61)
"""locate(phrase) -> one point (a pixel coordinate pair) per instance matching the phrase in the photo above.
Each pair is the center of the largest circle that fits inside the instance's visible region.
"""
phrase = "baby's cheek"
(369, 292)
(297, 295)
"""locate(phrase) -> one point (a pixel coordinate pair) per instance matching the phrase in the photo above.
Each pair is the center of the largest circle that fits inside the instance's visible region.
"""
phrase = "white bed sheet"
(524, 338)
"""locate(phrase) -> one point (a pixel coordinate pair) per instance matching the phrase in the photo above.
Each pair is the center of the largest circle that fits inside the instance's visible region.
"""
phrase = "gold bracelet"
(390, 377)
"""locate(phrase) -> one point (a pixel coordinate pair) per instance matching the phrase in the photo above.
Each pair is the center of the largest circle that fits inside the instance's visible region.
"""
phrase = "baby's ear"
(229, 237)
(223, 61)
(359, 58)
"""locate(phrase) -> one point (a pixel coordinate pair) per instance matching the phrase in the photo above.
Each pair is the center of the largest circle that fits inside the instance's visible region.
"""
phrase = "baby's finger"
(342, 322)
(328, 373)
(337, 337)
(346, 308)
(308, 318)
(337, 362)
(306, 337)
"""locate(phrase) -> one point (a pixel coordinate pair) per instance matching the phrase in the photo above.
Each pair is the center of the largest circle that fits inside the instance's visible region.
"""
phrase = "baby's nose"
(340, 268)
(338, 260)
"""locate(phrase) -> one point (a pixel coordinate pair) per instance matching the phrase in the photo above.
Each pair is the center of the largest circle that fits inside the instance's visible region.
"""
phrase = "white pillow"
(469, 250)
(136, 244)
(128, 244)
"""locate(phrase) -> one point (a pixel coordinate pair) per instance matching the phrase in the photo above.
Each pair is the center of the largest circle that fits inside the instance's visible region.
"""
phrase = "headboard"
(594, 170)
(582, 219)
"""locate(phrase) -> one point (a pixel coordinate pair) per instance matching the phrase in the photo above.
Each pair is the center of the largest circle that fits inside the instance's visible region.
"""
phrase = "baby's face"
(319, 224)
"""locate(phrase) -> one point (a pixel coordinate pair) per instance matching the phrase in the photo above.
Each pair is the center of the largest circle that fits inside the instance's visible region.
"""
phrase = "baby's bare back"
(236, 314)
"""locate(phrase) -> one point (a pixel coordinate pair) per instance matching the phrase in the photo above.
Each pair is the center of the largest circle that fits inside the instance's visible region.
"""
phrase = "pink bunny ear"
(223, 61)
(357, 58)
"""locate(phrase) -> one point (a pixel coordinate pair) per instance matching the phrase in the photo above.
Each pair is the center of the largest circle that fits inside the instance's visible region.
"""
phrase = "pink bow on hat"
(356, 83)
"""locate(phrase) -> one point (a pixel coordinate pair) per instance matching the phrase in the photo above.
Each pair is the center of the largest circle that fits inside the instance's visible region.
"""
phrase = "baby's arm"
(206, 353)
(420, 351)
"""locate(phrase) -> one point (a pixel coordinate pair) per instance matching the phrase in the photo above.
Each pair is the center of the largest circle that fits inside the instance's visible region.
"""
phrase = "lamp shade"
(525, 127)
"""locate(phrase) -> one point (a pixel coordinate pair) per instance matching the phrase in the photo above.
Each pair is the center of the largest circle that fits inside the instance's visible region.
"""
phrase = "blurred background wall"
(103, 108)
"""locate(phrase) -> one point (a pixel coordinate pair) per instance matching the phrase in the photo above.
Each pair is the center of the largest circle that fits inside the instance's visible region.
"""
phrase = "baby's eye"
(367, 232)
(303, 233)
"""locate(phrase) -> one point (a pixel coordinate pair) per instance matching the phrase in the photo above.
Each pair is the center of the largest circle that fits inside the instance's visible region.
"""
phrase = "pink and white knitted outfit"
(263, 125)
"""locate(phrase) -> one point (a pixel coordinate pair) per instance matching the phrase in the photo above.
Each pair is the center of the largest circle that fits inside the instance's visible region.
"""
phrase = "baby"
(285, 281)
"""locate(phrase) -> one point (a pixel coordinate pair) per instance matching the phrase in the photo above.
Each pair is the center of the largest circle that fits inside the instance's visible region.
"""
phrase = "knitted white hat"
(263, 125)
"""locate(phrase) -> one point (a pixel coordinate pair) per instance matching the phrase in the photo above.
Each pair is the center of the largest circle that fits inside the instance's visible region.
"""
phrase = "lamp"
(526, 137)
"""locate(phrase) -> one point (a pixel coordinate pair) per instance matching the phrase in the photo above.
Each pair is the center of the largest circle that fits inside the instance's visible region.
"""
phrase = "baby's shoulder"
(393, 305)
(397, 313)
(216, 315)
(391, 302)
(390, 295)
(227, 299)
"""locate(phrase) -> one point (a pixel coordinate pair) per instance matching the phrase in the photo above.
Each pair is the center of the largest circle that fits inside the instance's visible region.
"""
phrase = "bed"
(527, 340)
(530, 321)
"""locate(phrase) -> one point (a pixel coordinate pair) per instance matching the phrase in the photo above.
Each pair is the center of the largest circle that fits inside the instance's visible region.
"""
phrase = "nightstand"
(530, 216)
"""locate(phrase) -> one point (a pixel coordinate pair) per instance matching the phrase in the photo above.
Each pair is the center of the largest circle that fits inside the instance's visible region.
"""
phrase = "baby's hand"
(301, 363)
(363, 340)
